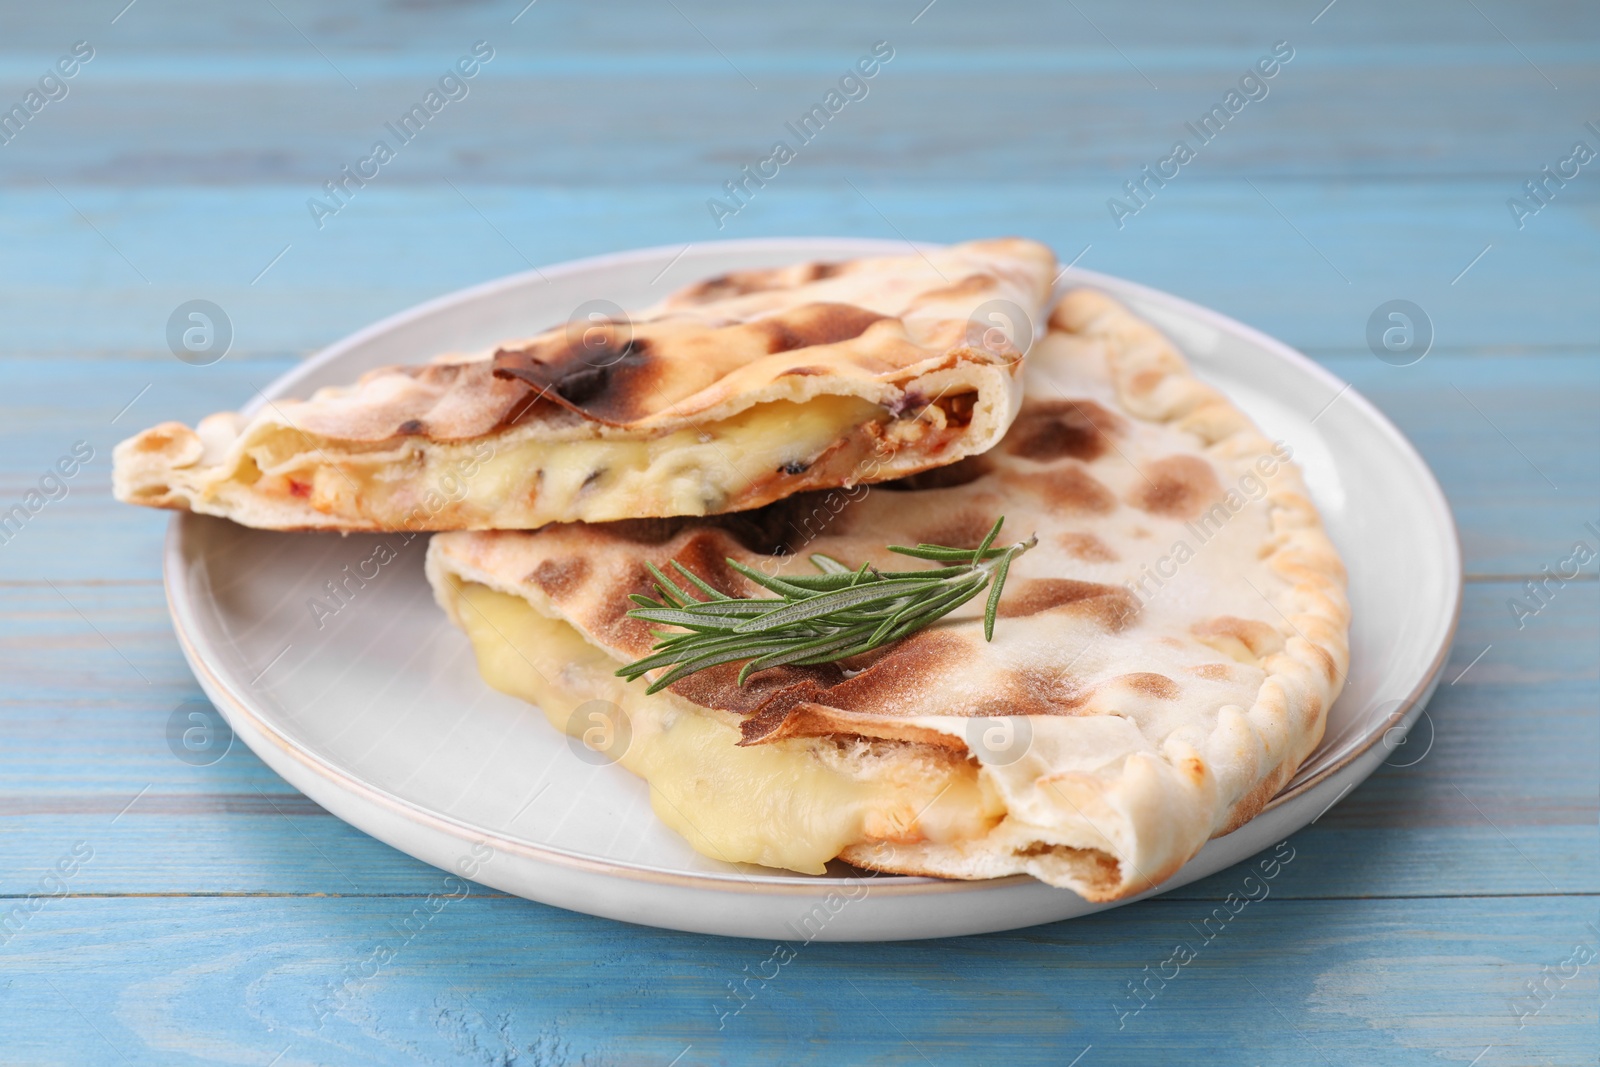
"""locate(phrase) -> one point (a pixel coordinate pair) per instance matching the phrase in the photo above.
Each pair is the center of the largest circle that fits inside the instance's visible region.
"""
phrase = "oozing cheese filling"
(727, 464)
(793, 804)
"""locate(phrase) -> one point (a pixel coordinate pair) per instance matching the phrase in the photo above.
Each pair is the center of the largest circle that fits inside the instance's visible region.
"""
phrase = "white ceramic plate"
(378, 714)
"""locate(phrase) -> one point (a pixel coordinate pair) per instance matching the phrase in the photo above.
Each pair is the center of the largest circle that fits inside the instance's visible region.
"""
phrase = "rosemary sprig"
(814, 618)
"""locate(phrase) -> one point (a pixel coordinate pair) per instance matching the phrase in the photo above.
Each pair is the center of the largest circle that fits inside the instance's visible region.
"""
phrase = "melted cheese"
(794, 804)
(507, 482)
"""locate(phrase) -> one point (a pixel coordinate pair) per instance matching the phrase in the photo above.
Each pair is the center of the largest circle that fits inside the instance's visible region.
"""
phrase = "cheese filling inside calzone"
(736, 392)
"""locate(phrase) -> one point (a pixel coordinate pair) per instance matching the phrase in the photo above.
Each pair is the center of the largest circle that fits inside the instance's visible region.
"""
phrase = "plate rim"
(185, 622)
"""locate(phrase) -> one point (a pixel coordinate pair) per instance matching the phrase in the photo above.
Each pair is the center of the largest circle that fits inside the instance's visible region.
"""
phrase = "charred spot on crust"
(411, 427)
(784, 526)
(1177, 487)
(772, 692)
(777, 529)
(888, 675)
(1036, 691)
(1048, 430)
(742, 282)
(1087, 547)
(1070, 489)
(1112, 606)
(705, 555)
(614, 625)
(965, 529)
(1260, 638)
(961, 472)
(776, 709)
(608, 382)
(795, 466)
(814, 324)
(734, 283)
(560, 578)
(1150, 684)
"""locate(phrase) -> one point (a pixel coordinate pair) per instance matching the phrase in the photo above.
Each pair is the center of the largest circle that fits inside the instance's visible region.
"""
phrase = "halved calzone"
(733, 393)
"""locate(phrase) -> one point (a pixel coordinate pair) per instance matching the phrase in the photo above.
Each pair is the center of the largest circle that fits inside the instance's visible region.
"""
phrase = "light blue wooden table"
(1444, 912)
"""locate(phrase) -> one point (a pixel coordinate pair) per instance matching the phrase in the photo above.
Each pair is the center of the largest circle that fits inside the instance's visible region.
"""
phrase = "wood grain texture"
(222, 912)
(485, 981)
(1219, 242)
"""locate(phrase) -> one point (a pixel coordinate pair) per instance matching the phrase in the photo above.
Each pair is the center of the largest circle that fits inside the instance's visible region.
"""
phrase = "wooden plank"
(273, 843)
(1276, 255)
(1506, 753)
(345, 981)
(375, 27)
(1514, 459)
(697, 120)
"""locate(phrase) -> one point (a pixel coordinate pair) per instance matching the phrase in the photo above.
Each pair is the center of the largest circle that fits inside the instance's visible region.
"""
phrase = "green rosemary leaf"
(826, 647)
(988, 540)
(781, 586)
(822, 618)
(692, 666)
(663, 657)
(939, 606)
(724, 608)
(819, 583)
(838, 600)
(991, 610)
(686, 619)
(668, 590)
(823, 583)
(710, 590)
(940, 553)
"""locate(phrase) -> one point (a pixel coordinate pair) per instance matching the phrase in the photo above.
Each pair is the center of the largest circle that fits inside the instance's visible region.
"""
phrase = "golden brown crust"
(884, 339)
